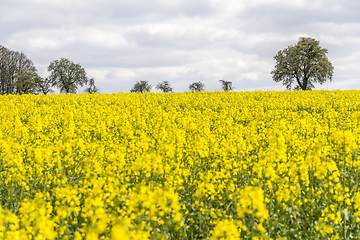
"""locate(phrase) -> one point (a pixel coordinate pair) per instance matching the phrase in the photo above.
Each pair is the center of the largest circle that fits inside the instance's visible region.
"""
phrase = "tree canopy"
(164, 87)
(300, 66)
(141, 87)
(66, 75)
(26, 82)
(197, 86)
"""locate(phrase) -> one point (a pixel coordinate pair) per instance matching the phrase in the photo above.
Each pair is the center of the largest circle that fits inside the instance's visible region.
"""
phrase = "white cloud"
(181, 41)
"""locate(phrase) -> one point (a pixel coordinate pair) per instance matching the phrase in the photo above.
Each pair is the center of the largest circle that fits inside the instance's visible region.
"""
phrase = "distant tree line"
(298, 67)
(18, 75)
(165, 87)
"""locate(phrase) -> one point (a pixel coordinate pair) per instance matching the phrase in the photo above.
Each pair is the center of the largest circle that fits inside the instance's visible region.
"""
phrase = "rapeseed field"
(207, 165)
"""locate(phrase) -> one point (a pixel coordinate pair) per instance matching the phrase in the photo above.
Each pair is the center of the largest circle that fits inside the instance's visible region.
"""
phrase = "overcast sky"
(119, 42)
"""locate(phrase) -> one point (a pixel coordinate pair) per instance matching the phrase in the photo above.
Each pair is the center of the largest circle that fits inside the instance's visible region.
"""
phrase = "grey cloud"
(182, 41)
(24, 15)
(191, 38)
(291, 17)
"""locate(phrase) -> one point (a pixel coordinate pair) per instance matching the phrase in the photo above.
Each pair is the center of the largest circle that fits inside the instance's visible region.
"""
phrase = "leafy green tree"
(91, 87)
(197, 86)
(66, 75)
(25, 82)
(140, 87)
(226, 85)
(164, 87)
(302, 65)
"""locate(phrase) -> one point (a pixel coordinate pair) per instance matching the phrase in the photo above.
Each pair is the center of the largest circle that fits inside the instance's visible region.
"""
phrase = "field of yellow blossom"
(206, 165)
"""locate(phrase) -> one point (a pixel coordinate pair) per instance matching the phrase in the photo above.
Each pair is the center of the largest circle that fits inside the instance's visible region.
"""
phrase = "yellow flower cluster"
(225, 230)
(207, 165)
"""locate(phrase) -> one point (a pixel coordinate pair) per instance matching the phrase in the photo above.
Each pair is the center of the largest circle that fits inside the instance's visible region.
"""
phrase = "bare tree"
(92, 88)
(11, 65)
(44, 86)
(226, 85)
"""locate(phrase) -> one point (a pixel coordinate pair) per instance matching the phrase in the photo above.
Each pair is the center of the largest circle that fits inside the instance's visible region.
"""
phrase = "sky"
(119, 42)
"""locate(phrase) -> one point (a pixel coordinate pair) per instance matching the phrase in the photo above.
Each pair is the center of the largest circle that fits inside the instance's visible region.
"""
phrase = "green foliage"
(141, 87)
(26, 82)
(66, 75)
(226, 85)
(164, 87)
(302, 65)
(197, 86)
